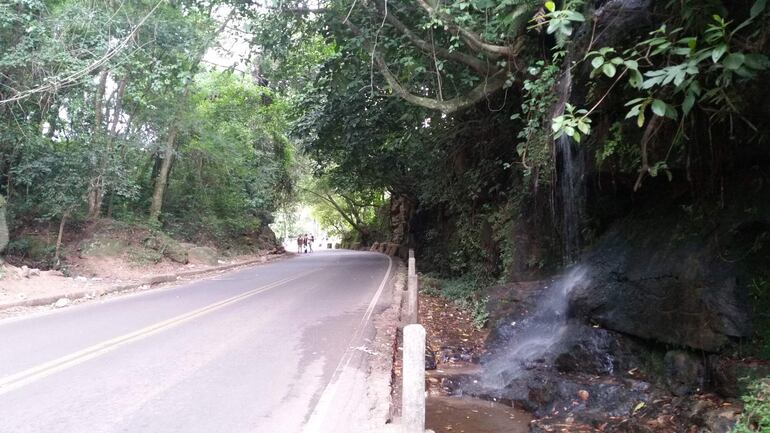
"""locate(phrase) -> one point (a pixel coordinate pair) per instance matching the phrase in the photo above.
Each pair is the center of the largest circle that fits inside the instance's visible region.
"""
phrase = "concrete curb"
(153, 281)
(387, 325)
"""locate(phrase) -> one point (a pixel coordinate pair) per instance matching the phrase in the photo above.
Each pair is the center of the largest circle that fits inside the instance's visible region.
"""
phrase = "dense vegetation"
(111, 110)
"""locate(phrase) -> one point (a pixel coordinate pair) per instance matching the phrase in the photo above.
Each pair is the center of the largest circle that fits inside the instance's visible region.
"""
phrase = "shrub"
(756, 412)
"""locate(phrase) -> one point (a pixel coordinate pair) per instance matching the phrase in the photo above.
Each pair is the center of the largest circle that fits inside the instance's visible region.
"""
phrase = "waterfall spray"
(536, 337)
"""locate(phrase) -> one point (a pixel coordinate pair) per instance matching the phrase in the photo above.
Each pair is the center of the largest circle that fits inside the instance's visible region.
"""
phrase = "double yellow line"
(23, 378)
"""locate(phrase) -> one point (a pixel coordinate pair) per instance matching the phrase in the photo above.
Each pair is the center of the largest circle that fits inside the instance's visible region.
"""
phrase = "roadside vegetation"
(112, 110)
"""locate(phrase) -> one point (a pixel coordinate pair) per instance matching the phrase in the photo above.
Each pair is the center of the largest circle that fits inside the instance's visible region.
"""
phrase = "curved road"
(278, 348)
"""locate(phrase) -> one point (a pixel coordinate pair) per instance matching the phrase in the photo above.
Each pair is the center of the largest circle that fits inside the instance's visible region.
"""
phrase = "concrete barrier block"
(413, 392)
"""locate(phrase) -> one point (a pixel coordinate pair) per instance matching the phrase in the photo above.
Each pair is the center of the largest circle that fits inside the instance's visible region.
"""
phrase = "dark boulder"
(684, 372)
(656, 278)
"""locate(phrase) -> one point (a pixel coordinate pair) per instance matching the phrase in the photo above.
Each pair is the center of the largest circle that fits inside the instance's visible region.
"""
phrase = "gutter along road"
(279, 348)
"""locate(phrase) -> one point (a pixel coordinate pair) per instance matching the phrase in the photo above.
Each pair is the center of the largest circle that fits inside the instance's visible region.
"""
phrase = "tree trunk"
(64, 217)
(96, 182)
(161, 181)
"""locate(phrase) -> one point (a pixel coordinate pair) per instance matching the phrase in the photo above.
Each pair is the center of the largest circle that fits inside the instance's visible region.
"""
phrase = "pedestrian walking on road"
(299, 244)
(310, 243)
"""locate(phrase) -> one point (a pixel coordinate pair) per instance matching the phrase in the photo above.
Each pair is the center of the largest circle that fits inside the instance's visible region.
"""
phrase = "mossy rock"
(144, 256)
(203, 256)
(33, 248)
(102, 246)
(167, 246)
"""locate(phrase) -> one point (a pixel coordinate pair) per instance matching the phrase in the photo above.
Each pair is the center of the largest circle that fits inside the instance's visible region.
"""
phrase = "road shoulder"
(385, 345)
(85, 290)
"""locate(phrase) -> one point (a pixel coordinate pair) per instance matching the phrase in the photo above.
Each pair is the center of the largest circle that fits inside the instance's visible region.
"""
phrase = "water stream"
(534, 338)
(570, 186)
(533, 341)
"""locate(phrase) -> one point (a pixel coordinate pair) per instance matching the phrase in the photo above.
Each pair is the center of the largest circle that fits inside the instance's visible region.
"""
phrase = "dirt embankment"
(103, 257)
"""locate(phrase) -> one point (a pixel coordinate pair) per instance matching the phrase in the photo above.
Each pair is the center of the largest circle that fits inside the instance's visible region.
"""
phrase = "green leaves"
(734, 61)
(659, 107)
(757, 8)
(609, 69)
(560, 21)
(573, 123)
(606, 62)
(718, 52)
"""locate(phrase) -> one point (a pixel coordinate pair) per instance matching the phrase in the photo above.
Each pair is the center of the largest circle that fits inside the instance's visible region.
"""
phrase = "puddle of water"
(471, 415)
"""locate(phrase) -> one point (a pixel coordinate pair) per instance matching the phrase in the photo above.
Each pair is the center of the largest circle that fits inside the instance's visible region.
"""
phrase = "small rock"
(583, 394)
(34, 272)
(62, 302)
(81, 278)
(430, 359)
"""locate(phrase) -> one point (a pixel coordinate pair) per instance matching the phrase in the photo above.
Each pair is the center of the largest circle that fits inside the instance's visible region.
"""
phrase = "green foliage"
(756, 410)
(87, 126)
(561, 21)
(573, 123)
(759, 292)
(702, 69)
(463, 292)
(534, 149)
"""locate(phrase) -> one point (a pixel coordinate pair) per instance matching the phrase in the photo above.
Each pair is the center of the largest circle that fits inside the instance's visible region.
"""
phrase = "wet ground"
(456, 345)
(471, 415)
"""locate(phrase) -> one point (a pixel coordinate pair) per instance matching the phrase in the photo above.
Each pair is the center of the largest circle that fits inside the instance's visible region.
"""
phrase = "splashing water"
(534, 339)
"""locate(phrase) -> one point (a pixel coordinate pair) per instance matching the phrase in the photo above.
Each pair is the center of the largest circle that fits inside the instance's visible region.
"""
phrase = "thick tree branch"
(469, 99)
(473, 40)
(481, 67)
(490, 85)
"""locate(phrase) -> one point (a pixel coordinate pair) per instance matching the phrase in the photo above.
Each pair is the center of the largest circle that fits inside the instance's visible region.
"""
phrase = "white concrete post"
(413, 393)
(412, 300)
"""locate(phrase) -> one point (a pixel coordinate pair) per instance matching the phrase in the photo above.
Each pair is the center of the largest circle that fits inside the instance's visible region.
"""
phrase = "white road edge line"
(321, 410)
(25, 377)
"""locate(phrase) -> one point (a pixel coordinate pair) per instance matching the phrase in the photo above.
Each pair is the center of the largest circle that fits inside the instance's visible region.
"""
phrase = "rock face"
(652, 278)
(167, 246)
(203, 256)
(401, 209)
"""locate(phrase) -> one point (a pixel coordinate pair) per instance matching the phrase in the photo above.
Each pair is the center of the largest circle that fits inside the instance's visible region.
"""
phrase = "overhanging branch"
(490, 85)
(470, 37)
(478, 65)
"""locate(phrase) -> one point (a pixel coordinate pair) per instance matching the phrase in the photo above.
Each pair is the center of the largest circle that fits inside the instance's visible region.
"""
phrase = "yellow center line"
(33, 374)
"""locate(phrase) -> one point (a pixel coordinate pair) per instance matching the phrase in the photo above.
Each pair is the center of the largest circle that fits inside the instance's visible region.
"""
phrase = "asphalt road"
(277, 348)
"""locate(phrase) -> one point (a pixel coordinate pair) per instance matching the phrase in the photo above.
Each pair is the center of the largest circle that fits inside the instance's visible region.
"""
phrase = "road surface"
(277, 348)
